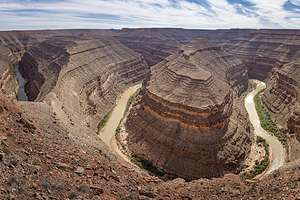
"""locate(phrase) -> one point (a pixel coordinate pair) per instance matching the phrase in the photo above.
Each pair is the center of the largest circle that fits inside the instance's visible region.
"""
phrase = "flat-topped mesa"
(184, 122)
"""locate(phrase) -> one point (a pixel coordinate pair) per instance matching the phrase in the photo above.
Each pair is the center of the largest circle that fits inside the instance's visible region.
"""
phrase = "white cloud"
(295, 2)
(144, 13)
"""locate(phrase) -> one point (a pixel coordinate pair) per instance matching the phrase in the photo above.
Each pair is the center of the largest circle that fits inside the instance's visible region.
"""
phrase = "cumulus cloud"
(200, 14)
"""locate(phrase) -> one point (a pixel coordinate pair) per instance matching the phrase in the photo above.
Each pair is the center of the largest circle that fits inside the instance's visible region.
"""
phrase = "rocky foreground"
(39, 161)
(49, 146)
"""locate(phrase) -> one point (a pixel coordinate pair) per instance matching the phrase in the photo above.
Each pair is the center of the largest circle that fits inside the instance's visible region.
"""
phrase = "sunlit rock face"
(282, 97)
(80, 75)
(273, 55)
(265, 50)
(187, 121)
(155, 44)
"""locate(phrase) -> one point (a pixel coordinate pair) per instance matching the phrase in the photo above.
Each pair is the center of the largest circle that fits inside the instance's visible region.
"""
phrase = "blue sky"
(199, 14)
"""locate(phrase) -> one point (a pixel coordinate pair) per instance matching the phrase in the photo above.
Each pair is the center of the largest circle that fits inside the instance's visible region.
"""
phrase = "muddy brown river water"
(277, 150)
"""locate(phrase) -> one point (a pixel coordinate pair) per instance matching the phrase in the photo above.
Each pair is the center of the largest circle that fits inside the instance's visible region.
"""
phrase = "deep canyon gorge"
(59, 88)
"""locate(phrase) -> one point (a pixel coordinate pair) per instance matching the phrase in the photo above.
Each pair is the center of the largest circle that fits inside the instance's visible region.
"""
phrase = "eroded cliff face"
(95, 75)
(186, 121)
(264, 50)
(284, 89)
(157, 44)
(12, 47)
(273, 55)
(41, 66)
(293, 123)
(38, 161)
(80, 77)
(282, 97)
(78, 73)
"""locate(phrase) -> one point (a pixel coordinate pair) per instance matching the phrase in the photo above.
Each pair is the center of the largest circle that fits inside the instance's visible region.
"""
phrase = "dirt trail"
(277, 150)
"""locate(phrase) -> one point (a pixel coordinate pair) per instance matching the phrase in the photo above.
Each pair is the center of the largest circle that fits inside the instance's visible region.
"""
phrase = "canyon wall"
(80, 76)
(273, 55)
(159, 43)
(48, 59)
(282, 97)
(188, 121)
(264, 50)
(12, 47)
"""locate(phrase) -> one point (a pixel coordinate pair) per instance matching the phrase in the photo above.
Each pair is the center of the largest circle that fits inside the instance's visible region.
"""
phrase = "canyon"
(188, 118)
(188, 99)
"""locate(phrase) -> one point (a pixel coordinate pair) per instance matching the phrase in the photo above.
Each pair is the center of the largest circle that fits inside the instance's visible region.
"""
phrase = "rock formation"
(38, 161)
(185, 122)
(49, 149)
(81, 75)
(282, 95)
(293, 123)
(159, 43)
(273, 55)
(264, 50)
(12, 47)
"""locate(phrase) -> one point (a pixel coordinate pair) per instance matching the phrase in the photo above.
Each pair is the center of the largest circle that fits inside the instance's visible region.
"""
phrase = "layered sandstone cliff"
(273, 55)
(80, 76)
(158, 43)
(264, 50)
(80, 72)
(284, 90)
(282, 97)
(12, 47)
(186, 122)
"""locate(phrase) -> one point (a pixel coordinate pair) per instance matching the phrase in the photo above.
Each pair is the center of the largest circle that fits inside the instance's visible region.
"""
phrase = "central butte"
(188, 121)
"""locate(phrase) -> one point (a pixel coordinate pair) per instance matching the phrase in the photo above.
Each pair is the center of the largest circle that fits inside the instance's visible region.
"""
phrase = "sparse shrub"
(104, 121)
(130, 101)
(147, 165)
(267, 122)
(260, 166)
(118, 129)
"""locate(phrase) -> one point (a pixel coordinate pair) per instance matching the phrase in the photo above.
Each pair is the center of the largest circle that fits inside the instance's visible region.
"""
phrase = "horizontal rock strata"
(273, 55)
(282, 97)
(12, 47)
(264, 50)
(80, 75)
(157, 44)
(185, 122)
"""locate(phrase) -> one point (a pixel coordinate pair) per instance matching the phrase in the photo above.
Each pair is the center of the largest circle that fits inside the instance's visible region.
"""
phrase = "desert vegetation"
(104, 121)
(266, 121)
(147, 165)
(260, 166)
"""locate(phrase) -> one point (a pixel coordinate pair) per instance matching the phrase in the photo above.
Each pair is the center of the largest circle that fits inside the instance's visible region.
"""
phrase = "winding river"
(277, 150)
(108, 132)
(21, 94)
